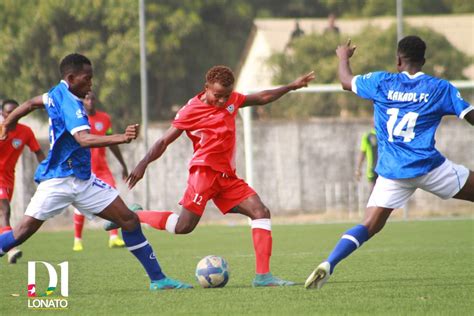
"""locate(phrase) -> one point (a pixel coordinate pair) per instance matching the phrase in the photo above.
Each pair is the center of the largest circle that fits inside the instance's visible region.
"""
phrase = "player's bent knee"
(129, 222)
(261, 212)
(185, 228)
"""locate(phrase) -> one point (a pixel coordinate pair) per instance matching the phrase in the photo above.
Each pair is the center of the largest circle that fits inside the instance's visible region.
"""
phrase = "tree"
(184, 38)
(375, 53)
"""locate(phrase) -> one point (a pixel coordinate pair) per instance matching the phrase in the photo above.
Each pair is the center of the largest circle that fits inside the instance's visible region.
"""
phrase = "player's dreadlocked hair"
(220, 74)
(73, 63)
(412, 48)
(9, 101)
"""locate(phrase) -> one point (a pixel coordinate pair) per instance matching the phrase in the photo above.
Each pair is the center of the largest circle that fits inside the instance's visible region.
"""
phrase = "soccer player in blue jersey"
(408, 107)
(65, 176)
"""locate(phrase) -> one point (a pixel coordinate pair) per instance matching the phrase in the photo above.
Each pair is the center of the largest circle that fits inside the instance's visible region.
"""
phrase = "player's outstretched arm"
(23, 110)
(344, 53)
(118, 154)
(86, 139)
(155, 152)
(470, 117)
(267, 96)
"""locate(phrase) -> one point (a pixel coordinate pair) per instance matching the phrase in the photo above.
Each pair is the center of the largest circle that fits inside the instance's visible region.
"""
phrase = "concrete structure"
(272, 35)
(302, 169)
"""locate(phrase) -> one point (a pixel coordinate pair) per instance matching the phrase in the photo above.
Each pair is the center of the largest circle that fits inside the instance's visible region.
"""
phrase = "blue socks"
(350, 241)
(7, 242)
(138, 245)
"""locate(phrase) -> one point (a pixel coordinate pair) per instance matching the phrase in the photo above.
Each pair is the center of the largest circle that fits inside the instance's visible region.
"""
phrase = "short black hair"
(73, 63)
(221, 74)
(412, 48)
(9, 101)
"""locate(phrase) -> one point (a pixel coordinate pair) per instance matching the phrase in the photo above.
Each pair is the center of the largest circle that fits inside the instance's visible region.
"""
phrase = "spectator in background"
(297, 32)
(331, 28)
(368, 151)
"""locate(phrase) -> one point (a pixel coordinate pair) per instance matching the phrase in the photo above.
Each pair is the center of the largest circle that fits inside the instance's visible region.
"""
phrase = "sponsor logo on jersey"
(99, 126)
(230, 108)
(80, 113)
(16, 143)
(407, 96)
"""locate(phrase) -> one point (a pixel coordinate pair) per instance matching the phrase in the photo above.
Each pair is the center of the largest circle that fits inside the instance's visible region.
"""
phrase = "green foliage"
(373, 53)
(184, 38)
(353, 8)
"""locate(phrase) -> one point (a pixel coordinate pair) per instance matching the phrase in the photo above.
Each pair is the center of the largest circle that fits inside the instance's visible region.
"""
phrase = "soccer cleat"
(77, 245)
(319, 276)
(116, 242)
(108, 225)
(168, 284)
(13, 255)
(268, 279)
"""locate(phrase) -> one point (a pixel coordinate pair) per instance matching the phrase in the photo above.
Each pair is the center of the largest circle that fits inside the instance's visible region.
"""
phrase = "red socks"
(262, 243)
(156, 219)
(78, 225)
(5, 229)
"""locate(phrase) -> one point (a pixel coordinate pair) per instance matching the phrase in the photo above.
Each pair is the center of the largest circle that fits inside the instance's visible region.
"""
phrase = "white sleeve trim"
(466, 110)
(353, 84)
(79, 128)
(45, 98)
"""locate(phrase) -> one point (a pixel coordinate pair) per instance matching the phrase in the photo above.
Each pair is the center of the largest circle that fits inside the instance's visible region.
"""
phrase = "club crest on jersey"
(230, 108)
(16, 143)
(80, 113)
(99, 126)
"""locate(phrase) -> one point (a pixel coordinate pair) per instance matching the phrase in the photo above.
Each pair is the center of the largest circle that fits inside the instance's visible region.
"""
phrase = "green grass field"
(410, 268)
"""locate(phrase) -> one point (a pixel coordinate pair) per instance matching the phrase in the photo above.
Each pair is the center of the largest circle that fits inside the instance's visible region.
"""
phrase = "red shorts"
(205, 183)
(6, 193)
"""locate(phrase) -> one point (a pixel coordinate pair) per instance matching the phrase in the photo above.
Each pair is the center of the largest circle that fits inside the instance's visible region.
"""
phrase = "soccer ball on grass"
(212, 271)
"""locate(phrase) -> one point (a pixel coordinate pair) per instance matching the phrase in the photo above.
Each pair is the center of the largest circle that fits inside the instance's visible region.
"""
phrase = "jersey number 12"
(408, 120)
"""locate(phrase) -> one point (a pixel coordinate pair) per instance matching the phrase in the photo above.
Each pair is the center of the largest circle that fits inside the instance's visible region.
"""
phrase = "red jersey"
(212, 131)
(100, 125)
(11, 149)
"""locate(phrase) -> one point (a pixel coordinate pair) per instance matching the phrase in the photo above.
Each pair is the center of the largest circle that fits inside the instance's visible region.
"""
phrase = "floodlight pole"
(248, 144)
(399, 20)
(144, 94)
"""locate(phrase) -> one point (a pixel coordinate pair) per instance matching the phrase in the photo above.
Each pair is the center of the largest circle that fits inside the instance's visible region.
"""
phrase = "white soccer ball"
(212, 271)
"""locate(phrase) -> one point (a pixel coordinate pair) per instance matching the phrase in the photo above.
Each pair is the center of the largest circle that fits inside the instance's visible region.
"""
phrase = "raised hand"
(136, 175)
(303, 81)
(131, 132)
(345, 51)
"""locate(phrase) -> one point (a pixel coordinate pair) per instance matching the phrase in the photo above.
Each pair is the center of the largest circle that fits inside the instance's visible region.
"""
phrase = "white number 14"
(408, 119)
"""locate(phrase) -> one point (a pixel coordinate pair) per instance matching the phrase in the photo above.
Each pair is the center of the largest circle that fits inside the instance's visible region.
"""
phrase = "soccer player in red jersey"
(100, 125)
(11, 149)
(209, 121)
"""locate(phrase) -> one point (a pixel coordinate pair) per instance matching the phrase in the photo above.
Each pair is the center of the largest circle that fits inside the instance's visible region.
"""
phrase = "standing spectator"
(368, 152)
(331, 28)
